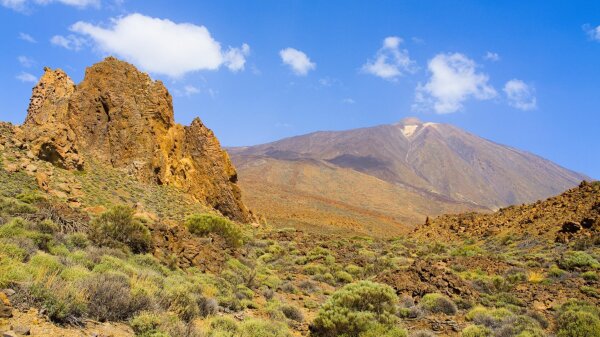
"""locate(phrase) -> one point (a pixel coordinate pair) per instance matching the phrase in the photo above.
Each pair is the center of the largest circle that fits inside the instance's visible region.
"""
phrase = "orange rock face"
(123, 118)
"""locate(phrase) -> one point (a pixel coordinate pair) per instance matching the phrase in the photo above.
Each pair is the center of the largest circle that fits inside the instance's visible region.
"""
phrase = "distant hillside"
(420, 169)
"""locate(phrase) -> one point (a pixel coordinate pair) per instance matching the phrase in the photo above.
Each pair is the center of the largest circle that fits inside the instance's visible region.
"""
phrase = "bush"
(292, 313)
(204, 224)
(384, 331)
(590, 276)
(578, 319)
(62, 301)
(223, 326)
(145, 324)
(356, 308)
(437, 303)
(578, 324)
(343, 277)
(260, 328)
(77, 240)
(476, 331)
(111, 299)
(577, 259)
(118, 228)
(15, 207)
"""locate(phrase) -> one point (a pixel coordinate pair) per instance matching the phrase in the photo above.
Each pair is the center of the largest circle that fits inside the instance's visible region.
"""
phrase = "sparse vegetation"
(262, 282)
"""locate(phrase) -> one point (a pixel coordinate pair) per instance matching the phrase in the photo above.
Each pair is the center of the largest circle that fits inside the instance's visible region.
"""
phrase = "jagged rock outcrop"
(121, 117)
(46, 124)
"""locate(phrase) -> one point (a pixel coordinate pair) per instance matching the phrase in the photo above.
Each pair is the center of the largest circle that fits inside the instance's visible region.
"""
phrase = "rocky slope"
(122, 118)
(572, 215)
(436, 163)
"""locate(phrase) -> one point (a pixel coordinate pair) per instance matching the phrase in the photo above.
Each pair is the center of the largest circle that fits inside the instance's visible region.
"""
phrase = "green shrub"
(438, 303)
(578, 259)
(10, 250)
(15, 227)
(204, 224)
(63, 302)
(573, 323)
(118, 228)
(356, 308)
(145, 324)
(111, 297)
(15, 207)
(260, 328)
(42, 264)
(590, 276)
(476, 331)
(223, 327)
(315, 269)
(354, 270)
(12, 272)
(182, 298)
(292, 313)
(78, 240)
(47, 227)
(75, 273)
(466, 251)
(30, 197)
(343, 277)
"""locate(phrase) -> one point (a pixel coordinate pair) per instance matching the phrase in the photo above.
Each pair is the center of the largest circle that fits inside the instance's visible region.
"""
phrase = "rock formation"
(121, 117)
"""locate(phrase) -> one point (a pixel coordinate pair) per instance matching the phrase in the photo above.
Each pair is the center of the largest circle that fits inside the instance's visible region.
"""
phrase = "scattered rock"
(5, 306)
(9, 334)
(42, 181)
(31, 168)
(570, 227)
(11, 167)
(22, 330)
(9, 292)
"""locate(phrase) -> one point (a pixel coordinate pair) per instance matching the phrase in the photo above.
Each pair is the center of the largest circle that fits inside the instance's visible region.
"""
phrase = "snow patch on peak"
(409, 130)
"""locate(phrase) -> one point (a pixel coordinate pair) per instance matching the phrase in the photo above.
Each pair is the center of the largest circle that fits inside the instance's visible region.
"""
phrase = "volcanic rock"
(122, 118)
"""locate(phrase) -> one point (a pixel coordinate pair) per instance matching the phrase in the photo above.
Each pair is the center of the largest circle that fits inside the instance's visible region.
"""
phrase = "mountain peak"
(410, 121)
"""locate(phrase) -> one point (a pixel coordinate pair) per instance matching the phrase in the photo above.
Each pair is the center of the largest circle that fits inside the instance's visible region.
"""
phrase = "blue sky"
(521, 73)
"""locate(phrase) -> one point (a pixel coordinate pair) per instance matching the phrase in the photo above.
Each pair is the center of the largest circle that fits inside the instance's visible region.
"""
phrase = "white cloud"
(390, 62)
(27, 37)
(454, 79)
(417, 40)
(348, 101)
(520, 95)
(162, 46)
(25, 61)
(17, 5)
(593, 32)
(25, 5)
(74, 3)
(26, 77)
(297, 60)
(491, 56)
(329, 82)
(190, 90)
(70, 42)
(235, 58)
